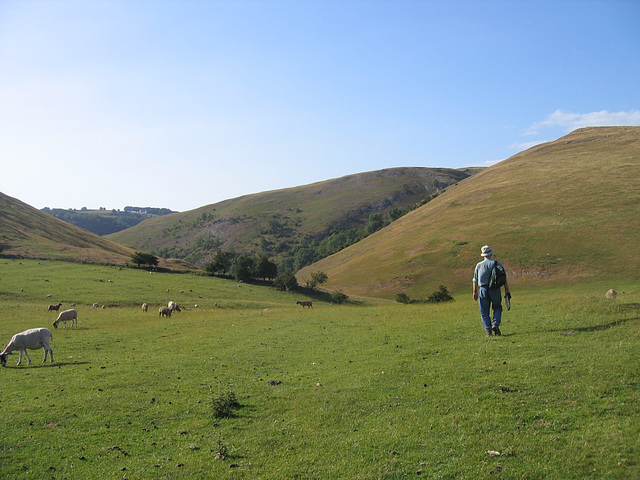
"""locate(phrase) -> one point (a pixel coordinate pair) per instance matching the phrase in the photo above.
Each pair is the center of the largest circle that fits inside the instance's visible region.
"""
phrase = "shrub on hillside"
(317, 278)
(440, 295)
(339, 297)
(402, 298)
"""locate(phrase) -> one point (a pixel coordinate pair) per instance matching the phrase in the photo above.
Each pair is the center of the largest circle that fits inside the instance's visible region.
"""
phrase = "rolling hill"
(27, 232)
(103, 221)
(558, 212)
(281, 223)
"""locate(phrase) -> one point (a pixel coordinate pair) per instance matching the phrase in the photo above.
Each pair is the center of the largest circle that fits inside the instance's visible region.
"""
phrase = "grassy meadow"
(373, 390)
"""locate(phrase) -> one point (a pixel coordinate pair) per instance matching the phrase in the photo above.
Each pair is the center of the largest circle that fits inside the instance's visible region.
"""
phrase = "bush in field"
(441, 295)
(402, 298)
(224, 404)
(339, 297)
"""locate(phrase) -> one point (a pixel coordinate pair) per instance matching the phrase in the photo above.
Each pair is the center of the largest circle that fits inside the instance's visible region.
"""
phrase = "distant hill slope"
(27, 232)
(283, 223)
(103, 221)
(559, 212)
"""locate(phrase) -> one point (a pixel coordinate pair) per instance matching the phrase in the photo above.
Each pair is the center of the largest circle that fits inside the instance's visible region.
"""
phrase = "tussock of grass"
(395, 391)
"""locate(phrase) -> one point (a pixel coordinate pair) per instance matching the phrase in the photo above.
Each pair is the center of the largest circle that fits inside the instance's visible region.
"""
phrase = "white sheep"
(33, 339)
(145, 307)
(173, 306)
(65, 316)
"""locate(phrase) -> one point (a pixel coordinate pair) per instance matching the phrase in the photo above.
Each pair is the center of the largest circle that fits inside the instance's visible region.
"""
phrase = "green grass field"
(376, 390)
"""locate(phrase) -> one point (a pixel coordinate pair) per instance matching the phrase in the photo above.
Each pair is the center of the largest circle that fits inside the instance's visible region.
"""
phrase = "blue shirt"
(482, 273)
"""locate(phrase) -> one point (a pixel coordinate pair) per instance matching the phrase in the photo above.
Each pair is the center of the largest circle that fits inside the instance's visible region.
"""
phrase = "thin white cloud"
(526, 145)
(570, 121)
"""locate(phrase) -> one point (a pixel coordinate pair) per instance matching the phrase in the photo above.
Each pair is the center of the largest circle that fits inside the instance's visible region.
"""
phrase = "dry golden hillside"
(561, 211)
(30, 233)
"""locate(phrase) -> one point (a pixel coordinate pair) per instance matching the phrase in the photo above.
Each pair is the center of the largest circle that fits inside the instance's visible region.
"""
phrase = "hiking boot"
(496, 329)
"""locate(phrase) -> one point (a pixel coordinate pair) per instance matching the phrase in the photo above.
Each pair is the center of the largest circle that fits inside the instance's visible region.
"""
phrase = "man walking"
(487, 297)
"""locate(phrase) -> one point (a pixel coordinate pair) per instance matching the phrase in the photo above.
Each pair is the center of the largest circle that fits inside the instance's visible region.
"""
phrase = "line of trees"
(246, 268)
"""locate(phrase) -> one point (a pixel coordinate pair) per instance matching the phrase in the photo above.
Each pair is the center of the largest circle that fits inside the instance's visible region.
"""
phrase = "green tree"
(375, 223)
(244, 268)
(395, 213)
(304, 256)
(287, 264)
(285, 282)
(141, 258)
(317, 278)
(266, 269)
(221, 262)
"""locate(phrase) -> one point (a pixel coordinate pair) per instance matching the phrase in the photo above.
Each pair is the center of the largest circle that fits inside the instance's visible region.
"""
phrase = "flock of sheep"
(36, 338)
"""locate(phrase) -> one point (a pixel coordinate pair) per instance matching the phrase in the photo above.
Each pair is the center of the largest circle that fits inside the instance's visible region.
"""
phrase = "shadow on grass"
(45, 365)
(595, 328)
(606, 326)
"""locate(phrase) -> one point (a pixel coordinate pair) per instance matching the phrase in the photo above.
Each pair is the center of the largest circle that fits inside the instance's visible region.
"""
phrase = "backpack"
(498, 276)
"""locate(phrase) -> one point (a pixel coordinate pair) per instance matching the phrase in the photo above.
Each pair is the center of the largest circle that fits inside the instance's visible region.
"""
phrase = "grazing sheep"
(611, 294)
(95, 305)
(33, 339)
(174, 307)
(305, 304)
(65, 316)
(54, 307)
(166, 311)
(145, 307)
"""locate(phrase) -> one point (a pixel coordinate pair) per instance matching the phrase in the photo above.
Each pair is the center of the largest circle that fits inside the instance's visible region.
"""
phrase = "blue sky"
(180, 104)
